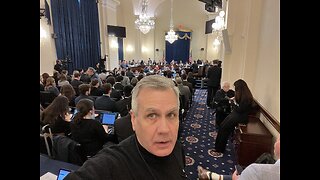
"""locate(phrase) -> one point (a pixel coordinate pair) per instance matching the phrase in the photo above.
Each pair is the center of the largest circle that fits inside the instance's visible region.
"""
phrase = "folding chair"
(47, 136)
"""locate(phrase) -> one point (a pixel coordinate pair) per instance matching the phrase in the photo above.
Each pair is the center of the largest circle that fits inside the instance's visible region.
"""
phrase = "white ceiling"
(152, 5)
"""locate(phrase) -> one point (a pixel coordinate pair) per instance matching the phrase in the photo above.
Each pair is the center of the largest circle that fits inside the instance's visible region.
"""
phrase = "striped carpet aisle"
(198, 137)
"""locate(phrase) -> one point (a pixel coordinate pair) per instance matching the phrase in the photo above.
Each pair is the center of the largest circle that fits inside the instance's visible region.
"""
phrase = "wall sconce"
(144, 49)
(114, 44)
(129, 48)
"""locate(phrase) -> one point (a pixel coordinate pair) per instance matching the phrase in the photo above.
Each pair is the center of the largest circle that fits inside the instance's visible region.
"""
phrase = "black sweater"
(129, 160)
(90, 134)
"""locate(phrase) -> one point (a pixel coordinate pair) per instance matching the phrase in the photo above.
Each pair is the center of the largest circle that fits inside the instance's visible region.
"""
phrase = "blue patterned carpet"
(198, 137)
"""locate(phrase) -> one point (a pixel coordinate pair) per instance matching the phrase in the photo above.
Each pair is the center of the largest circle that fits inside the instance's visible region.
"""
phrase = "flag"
(190, 56)
(163, 58)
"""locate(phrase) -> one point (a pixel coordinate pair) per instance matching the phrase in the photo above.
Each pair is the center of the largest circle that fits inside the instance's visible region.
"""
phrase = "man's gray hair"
(155, 82)
(92, 69)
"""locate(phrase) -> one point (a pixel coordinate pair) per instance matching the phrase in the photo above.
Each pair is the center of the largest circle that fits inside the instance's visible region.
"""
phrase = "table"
(53, 166)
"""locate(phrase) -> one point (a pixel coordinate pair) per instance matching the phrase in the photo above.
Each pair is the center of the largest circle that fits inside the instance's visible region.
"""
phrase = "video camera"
(211, 5)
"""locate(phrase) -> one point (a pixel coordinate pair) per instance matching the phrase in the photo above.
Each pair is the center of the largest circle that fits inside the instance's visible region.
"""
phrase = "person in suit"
(58, 66)
(95, 89)
(184, 90)
(253, 172)
(186, 83)
(242, 106)
(115, 94)
(123, 106)
(153, 151)
(123, 127)
(118, 86)
(104, 102)
(76, 82)
(92, 74)
(214, 80)
(84, 91)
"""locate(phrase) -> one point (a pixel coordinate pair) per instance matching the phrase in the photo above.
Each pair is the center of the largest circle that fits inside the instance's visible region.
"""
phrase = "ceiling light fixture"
(144, 23)
(171, 35)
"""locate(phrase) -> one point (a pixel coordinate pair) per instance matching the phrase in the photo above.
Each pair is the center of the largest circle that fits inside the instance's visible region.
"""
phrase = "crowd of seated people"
(110, 91)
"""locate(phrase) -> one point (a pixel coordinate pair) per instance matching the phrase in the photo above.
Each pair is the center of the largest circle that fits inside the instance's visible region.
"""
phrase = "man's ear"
(133, 120)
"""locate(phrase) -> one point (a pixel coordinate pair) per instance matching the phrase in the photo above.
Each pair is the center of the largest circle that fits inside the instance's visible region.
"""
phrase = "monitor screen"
(108, 118)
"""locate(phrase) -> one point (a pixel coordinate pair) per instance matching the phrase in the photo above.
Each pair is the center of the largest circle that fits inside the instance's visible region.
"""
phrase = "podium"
(251, 141)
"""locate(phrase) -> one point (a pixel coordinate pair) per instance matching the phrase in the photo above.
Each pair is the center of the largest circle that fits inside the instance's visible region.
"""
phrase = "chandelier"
(171, 35)
(217, 27)
(144, 23)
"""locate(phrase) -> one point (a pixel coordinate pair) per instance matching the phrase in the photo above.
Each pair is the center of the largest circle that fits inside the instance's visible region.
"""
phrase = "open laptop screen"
(108, 118)
(62, 174)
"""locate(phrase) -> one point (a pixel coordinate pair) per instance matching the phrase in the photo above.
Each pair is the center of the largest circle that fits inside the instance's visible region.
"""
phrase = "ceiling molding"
(111, 4)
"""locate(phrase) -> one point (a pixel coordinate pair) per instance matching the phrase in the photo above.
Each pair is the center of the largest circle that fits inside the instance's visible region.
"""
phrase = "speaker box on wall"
(157, 49)
(226, 41)
(202, 49)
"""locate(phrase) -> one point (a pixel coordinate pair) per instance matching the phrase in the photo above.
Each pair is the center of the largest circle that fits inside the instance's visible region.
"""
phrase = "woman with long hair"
(90, 133)
(241, 109)
(57, 116)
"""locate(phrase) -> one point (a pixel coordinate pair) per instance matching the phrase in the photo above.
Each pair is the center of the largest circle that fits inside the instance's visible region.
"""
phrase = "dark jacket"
(123, 106)
(67, 150)
(214, 76)
(105, 103)
(123, 127)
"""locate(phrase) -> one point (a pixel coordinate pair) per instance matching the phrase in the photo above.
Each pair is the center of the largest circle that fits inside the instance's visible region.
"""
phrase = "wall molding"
(111, 4)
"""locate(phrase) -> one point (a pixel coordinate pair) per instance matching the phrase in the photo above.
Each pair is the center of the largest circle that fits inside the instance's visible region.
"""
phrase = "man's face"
(226, 87)
(89, 72)
(157, 121)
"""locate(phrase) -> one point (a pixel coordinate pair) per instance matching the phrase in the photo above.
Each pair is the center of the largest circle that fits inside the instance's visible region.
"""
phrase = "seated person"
(252, 172)
(153, 151)
(123, 106)
(57, 116)
(222, 102)
(90, 133)
(84, 92)
(104, 102)
(123, 127)
(239, 115)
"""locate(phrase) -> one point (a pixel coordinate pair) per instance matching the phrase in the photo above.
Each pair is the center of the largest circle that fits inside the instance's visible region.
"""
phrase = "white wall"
(47, 48)
(193, 20)
(254, 32)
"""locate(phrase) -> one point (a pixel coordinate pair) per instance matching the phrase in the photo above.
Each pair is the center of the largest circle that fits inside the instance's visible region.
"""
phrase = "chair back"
(67, 150)
(46, 137)
(46, 98)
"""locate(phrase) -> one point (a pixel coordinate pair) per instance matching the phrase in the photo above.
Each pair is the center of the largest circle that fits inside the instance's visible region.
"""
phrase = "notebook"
(62, 174)
(108, 118)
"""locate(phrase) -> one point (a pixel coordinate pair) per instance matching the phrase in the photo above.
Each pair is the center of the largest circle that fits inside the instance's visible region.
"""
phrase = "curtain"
(120, 49)
(47, 12)
(179, 49)
(76, 33)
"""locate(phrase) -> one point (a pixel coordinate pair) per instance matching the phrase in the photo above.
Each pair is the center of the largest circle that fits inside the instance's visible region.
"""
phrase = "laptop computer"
(62, 174)
(108, 118)
(74, 113)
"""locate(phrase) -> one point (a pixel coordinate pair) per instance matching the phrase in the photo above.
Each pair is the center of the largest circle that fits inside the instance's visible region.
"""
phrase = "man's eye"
(172, 115)
(151, 116)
